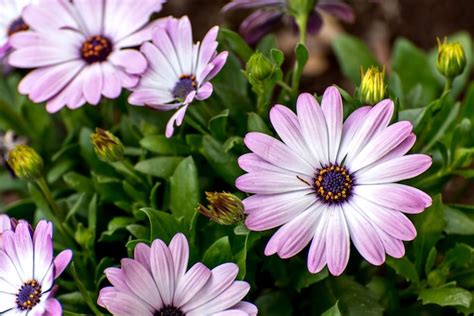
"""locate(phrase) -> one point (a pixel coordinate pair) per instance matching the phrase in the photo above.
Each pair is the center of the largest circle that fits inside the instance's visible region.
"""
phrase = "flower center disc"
(17, 26)
(185, 85)
(333, 184)
(169, 311)
(96, 49)
(29, 295)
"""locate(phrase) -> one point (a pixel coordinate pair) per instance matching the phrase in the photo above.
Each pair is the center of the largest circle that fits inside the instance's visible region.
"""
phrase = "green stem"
(129, 169)
(194, 122)
(284, 86)
(448, 85)
(302, 23)
(49, 198)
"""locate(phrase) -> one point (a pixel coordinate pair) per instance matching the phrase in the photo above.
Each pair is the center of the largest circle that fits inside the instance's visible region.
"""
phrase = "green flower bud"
(25, 162)
(224, 208)
(451, 59)
(259, 67)
(372, 87)
(108, 148)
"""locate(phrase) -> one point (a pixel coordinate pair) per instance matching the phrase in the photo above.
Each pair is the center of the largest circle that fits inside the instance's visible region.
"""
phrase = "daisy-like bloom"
(332, 182)
(81, 49)
(271, 12)
(179, 71)
(157, 282)
(28, 270)
(11, 22)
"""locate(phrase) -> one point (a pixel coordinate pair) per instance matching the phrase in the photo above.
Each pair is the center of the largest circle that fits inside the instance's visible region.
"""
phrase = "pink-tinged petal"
(140, 281)
(165, 53)
(191, 283)
(53, 308)
(295, 235)
(163, 270)
(393, 222)
(93, 83)
(331, 106)
(111, 81)
(270, 211)
(396, 196)
(338, 9)
(179, 249)
(10, 279)
(313, 126)
(381, 144)
(253, 163)
(317, 251)
(117, 278)
(221, 279)
(288, 128)
(364, 235)
(92, 13)
(127, 80)
(277, 153)
(176, 119)
(264, 182)
(24, 249)
(376, 120)
(393, 247)
(105, 292)
(163, 71)
(43, 249)
(401, 149)
(350, 128)
(228, 298)
(54, 15)
(337, 241)
(397, 169)
(183, 40)
(154, 98)
(218, 63)
(61, 261)
(205, 91)
(121, 304)
(231, 312)
(138, 38)
(7, 302)
(5, 223)
(130, 60)
(142, 253)
(246, 307)
(189, 99)
(4, 49)
(207, 49)
(32, 57)
(258, 24)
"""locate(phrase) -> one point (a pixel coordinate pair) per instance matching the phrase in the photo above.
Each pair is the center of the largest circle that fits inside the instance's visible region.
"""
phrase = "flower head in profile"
(81, 49)
(271, 12)
(157, 282)
(11, 22)
(329, 182)
(28, 270)
(179, 71)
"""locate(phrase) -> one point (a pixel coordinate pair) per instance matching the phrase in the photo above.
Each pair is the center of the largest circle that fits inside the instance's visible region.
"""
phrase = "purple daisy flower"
(11, 22)
(81, 49)
(156, 283)
(332, 182)
(5, 224)
(179, 71)
(272, 12)
(28, 270)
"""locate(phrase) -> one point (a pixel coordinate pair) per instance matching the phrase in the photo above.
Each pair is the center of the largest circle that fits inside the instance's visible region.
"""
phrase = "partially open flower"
(224, 208)
(372, 87)
(107, 146)
(25, 162)
(451, 59)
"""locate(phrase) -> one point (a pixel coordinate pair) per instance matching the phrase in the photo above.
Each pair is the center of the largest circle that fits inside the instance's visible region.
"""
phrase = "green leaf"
(404, 268)
(161, 167)
(333, 311)
(79, 182)
(164, 146)
(162, 225)
(184, 186)
(256, 124)
(274, 304)
(219, 252)
(446, 296)
(218, 125)
(236, 43)
(457, 222)
(351, 54)
(306, 279)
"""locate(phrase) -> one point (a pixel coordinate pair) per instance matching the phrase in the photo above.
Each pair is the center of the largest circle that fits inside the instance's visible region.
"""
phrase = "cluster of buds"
(451, 59)
(372, 87)
(224, 208)
(107, 146)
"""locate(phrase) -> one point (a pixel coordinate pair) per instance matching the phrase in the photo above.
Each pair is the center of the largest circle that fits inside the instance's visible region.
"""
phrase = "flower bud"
(372, 87)
(224, 208)
(25, 162)
(259, 67)
(108, 148)
(451, 59)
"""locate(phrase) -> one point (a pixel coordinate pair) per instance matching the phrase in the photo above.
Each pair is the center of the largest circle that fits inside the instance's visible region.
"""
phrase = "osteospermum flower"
(11, 22)
(28, 270)
(5, 224)
(332, 182)
(272, 12)
(81, 49)
(179, 71)
(157, 282)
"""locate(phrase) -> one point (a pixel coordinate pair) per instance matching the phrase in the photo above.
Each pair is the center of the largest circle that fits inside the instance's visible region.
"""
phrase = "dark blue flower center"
(333, 184)
(96, 49)
(185, 85)
(169, 311)
(29, 295)
(17, 26)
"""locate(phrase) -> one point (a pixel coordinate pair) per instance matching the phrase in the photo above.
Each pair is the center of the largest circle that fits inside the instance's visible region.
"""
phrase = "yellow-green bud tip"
(372, 87)
(25, 162)
(259, 67)
(107, 146)
(224, 208)
(451, 59)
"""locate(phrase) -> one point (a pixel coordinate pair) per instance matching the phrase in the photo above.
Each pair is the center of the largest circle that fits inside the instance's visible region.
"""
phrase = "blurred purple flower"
(81, 49)
(330, 182)
(156, 283)
(10, 22)
(179, 71)
(28, 270)
(271, 12)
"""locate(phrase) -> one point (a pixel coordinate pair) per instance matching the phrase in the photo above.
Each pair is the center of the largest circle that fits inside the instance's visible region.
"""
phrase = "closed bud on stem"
(372, 86)
(25, 162)
(224, 208)
(451, 59)
(107, 146)
(259, 67)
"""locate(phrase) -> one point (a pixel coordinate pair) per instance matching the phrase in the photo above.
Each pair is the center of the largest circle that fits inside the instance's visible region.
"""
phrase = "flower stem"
(448, 85)
(302, 22)
(49, 198)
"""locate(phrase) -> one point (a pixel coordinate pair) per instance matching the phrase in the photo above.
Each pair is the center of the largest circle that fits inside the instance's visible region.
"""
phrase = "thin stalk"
(448, 85)
(49, 198)
(302, 23)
